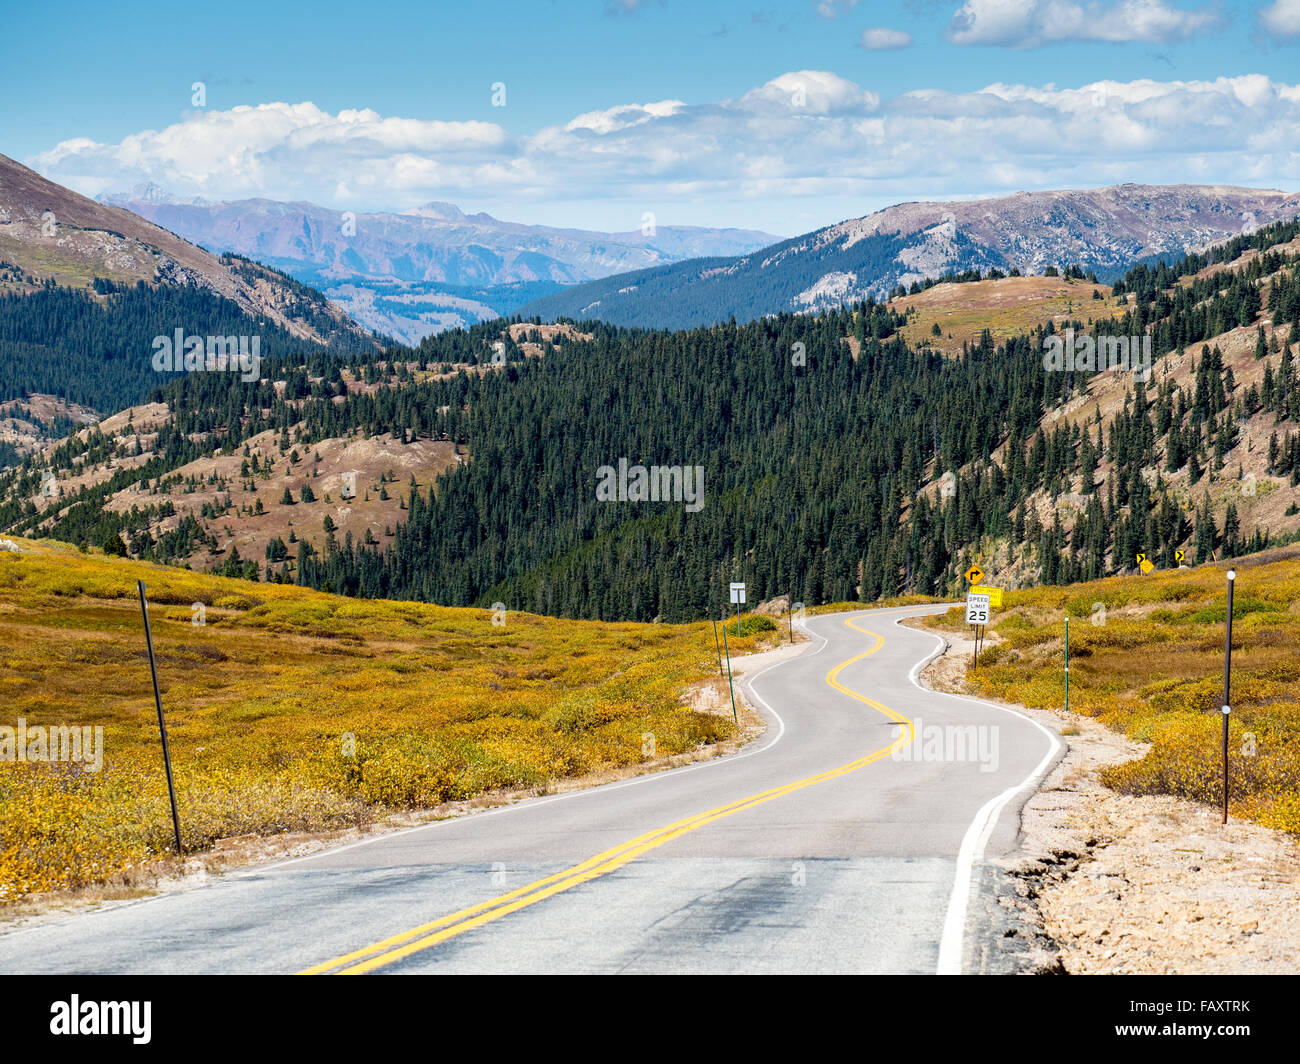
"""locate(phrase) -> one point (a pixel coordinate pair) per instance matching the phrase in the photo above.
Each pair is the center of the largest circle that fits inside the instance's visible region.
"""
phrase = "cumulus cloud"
(879, 40)
(246, 150)
(1282, 17)
(1031, 23)
(809, 92)
(806, 135)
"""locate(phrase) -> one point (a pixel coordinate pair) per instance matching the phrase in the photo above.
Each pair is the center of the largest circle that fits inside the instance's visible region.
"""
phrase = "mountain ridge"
(1104, 231)
(416, 264)
(53, 233)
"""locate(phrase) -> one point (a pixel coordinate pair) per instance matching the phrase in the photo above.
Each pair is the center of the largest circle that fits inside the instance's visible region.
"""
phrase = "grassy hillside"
(1146, 658)
(1007, 307)
(262, 697)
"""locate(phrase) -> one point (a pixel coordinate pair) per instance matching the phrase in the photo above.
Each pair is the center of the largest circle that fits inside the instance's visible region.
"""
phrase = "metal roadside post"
(716, 644)
(1227, 687)
(730, 685)
(162, 725)
(1067, 663)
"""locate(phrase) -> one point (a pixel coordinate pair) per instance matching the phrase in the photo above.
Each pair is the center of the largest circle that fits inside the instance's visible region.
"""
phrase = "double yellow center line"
(394, 949)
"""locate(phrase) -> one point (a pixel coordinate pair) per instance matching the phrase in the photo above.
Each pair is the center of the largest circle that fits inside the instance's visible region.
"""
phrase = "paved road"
(845, 840)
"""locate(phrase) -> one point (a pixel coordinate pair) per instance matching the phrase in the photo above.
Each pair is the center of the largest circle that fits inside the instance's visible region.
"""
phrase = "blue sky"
(774, 116)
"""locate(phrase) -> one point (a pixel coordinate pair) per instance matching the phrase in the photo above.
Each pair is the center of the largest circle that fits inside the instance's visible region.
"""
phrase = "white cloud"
(246, 150)
(878, 40)
(809, 92)
(834, 8)
(1281, 17)
(1031, 23)
(804, 142)
(624, 116)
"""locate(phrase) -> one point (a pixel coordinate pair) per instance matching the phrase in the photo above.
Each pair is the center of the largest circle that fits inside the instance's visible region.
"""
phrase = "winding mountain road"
(851, 837)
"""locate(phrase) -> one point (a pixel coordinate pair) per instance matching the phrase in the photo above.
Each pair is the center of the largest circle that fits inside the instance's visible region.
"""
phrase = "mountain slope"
(428, 268)
(53, 234)
(86, 289)
(1101, 230)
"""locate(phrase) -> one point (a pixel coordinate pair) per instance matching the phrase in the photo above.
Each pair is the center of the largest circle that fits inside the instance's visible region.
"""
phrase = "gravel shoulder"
(1105, 883)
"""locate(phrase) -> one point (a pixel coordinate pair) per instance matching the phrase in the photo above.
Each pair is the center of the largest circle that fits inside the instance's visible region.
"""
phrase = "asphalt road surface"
(850, 838)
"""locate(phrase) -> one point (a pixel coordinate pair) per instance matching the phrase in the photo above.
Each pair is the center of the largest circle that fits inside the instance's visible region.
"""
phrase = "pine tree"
(1231, 530)
(1206, 533)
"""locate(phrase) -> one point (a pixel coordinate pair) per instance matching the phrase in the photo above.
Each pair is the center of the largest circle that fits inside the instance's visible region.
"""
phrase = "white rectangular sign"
(977, 609)
(738, 593)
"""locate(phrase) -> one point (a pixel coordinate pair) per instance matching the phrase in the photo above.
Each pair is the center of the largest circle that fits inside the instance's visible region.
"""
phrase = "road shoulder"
(1102, 882)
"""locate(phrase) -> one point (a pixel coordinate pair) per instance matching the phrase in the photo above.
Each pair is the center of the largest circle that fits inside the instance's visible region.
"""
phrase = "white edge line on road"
(650, 777)
(257, 870)
(981, 828)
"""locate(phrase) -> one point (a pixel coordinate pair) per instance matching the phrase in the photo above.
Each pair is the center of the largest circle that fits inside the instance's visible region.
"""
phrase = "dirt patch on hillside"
(27, 424)
(360, 484)
(1107, 883)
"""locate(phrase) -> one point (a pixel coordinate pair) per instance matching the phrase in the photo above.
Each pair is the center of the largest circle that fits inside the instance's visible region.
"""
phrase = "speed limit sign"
(977, 609)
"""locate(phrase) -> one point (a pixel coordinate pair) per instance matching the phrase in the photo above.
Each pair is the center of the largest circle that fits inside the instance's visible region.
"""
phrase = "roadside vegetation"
(291, 710)
(1146, 658)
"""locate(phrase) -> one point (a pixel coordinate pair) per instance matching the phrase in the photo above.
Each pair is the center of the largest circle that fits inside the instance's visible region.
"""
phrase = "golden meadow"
(1154, 670)
(261, 699)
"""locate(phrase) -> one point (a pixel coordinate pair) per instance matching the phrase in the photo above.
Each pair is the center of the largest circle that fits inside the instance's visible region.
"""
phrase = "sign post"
(1227, 688)
(738, 597)
(977, 615)
(977, 608)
